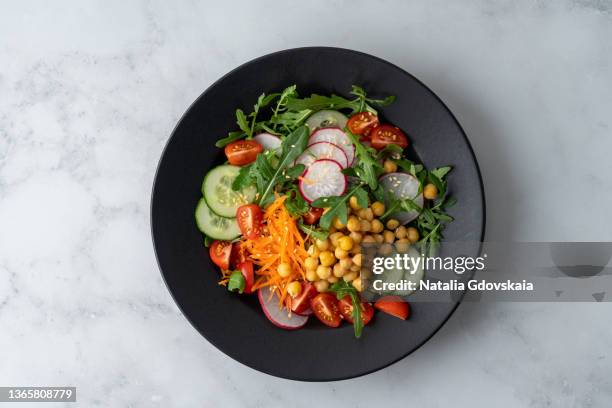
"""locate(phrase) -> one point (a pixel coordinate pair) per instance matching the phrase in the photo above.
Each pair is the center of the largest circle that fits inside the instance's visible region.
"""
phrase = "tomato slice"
(242, 152)
(313, 215)
(393, 305)
(385, 135)
(237, 256)
(220, 252)
(346, 309)
(300, 303)
(246, 269)
(325, 307)
(362, 122)
(249, 220)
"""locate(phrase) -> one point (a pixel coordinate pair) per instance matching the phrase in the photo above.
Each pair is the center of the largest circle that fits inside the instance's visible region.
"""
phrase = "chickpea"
(353, 224)
(337, 223)
(392, 224)
(401, 232)
(430, 192)
(402, 245)
(385, 249)
(340, 253)
(322, 244)
(311, 263)
(388, 236)
(313, 251)
(356, 237)
(355, 268)
(327, 258)
(413, 235)
(389, 166)
(284, 269)
(378, 208)
(377, 226)
(345, 243)
(339, 271)
(356, 249)
(321, 285)
(294, 288)
(368, 239)
(357, 259)
(357, 284)
(349, 277)
(365, 226)
(379, 238)
(311, 275)
(332, 279)
(335, 237)
(354, 204)
(323, 272)
(346, 263)
(366, 214)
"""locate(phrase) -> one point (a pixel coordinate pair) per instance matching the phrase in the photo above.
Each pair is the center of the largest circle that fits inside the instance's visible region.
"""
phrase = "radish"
(336, 136)
(268, 141)
(279, 317)
(323, 178)
(402, 186)
(322, 150)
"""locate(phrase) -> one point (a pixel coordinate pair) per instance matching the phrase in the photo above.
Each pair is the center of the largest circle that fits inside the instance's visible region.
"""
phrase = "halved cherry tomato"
(300, 303)
(346, 309)
(385, 135)
(220, 252)
(242, 152)
(313, 215)
(249, 220)
(237, 257)
(393, 305)
(325, 307)
(246, 269)
(362, 122)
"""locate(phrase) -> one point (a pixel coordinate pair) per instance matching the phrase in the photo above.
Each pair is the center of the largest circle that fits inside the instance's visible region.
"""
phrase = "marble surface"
(89, 92)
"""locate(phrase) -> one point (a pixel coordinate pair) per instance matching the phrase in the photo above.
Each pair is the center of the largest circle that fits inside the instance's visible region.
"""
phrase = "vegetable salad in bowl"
(306, 182)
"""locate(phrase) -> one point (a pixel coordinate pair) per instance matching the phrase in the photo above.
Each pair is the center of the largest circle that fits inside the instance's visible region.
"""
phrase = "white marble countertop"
(89, 93)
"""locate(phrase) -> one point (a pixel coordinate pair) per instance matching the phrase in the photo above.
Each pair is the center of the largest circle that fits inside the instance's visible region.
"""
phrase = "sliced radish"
(402, 186)
(336, 136)
(306, 312)
(323, 178)
(322, 150)
(268, 141)
(279, 317)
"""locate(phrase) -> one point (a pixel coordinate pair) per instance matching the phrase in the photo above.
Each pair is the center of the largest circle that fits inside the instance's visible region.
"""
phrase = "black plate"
(236, 324)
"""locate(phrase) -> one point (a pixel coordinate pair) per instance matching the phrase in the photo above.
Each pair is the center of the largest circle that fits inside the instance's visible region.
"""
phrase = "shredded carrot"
(281, 242)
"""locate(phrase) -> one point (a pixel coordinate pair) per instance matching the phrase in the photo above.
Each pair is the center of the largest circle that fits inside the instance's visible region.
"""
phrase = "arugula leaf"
(236, 282)
(367, 168)
(342, 288)
(409, 166)
(231, 137)
(295, 203)
(291, 148)
(241, 121)
(313, 232)
(291, 119)
(243, 179)
(337, 206)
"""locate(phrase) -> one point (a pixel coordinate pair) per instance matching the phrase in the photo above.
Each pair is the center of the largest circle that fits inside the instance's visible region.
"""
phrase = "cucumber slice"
(217, 190)
(214, 226)
(326, 118)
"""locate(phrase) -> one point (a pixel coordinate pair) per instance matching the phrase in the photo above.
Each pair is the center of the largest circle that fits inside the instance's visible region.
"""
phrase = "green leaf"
(236, 282)
(231, 137)
(342, 288)
(362, 197)
(367, 168)
(337, 206)
(295, 203)
(291, 119)
(207, 241)
(242, 122)
(313, 232)
(440, 172)
(243, 179)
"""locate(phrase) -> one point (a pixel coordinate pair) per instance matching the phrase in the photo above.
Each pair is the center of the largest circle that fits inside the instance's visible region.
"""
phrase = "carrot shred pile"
(280, 242)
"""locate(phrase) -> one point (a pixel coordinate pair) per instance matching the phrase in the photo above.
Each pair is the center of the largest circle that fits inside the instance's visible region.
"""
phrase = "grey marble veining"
(89, 93)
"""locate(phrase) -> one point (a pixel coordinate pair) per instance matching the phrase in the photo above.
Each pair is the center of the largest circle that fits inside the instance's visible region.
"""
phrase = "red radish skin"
(336, 136)
(323, 150)
(279, 317)
(310, 180)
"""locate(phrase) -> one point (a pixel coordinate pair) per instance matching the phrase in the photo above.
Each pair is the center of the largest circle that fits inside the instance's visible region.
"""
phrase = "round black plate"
(236, 324)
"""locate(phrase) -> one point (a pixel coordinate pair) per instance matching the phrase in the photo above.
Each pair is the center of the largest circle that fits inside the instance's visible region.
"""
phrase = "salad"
(306, 182)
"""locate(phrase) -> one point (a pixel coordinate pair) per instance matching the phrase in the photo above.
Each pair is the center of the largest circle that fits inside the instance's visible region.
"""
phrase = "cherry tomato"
(385, 135)
(393, 305)
(246, 269)
(300, 303)
(249, 220)
(242, 152)
(238, 256)
(346, 309)
(220, 252)
(325, 307)
(362, 123)
(313, 215)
